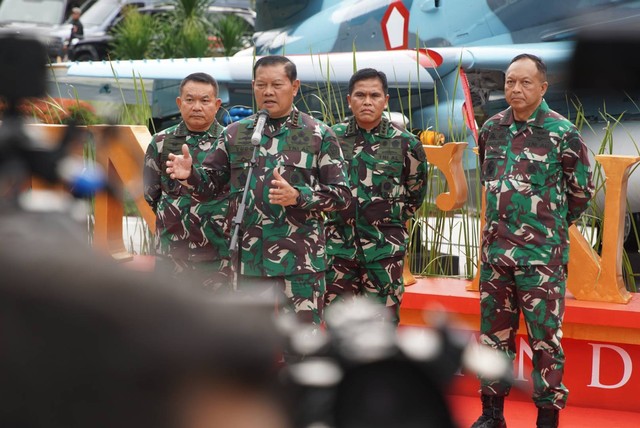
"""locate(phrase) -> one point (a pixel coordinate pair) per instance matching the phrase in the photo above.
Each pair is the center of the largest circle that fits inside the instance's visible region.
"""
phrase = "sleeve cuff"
(305, 195)
(193, 181)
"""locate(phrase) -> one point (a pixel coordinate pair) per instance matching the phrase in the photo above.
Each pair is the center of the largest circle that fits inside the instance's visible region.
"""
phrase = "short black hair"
(368, 73)
(201, 78)
(289, 66)
(540, 65)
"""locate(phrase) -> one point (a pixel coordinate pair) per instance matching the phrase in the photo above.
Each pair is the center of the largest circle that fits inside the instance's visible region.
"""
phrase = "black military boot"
(547, 418)
(492, 416)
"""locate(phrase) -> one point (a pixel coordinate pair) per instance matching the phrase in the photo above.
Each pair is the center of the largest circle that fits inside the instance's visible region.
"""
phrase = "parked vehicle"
(43, 19)
(95, 46)
(36, 12)
(101, 17)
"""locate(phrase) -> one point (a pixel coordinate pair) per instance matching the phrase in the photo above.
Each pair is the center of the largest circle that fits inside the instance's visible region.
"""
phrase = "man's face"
(524, 88)
(274, 91)
(198, 104)
(367, 102)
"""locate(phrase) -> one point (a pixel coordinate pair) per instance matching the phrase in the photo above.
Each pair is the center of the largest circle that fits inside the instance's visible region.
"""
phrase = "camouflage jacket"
(277, 240)
(537, 180)
(188, 226)
(387, 170)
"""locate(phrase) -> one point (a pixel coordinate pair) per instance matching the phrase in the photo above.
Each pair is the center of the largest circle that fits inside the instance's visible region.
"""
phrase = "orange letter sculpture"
(447, 158)
(599, 278)
(121, 154)
(592, 277)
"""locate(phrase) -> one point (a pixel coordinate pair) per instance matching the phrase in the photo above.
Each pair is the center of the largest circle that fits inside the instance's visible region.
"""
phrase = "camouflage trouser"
(381, 281)
(214, 275)
(537, 292)
(299, 294)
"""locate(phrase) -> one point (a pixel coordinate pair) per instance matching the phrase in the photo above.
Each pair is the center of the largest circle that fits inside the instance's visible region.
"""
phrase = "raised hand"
(179, 166)
(281, 192)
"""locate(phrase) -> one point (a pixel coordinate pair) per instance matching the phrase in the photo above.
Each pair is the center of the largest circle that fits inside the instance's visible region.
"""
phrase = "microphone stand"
(234, 252)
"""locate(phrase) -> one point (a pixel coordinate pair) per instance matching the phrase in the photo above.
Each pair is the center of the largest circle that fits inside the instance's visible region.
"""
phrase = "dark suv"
(95, 47)
(41, 19)
(101, 17)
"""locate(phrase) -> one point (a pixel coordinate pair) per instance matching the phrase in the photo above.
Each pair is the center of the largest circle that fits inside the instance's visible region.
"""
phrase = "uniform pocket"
(296, 173)
(238, 174)
(493, 165)
(386, 177)
(539, 171)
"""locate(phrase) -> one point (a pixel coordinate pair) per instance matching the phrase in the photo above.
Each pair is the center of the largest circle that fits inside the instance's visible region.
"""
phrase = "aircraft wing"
(115, 81)
(451, 97)
(445, 92)
(400, 66)
(555, 54)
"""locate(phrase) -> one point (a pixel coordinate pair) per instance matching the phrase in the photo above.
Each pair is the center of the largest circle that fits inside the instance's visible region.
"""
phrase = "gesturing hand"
(179, 166)
(281, 192)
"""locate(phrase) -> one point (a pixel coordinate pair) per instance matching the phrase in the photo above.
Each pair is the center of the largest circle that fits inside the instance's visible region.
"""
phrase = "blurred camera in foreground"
(85, 343)
(364, 372)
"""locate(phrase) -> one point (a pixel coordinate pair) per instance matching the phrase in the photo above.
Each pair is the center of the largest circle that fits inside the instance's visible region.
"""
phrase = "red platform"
(601, 342)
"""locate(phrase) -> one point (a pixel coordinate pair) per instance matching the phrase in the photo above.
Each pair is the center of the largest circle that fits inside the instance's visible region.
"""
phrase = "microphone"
(83, 180)
(263, 115)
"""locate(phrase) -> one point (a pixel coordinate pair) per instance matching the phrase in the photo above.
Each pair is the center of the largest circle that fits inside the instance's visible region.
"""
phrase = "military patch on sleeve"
(334, 151)
(575, 144)
(420, 154)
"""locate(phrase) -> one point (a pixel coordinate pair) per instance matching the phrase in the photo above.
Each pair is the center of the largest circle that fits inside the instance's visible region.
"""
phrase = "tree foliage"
(135, 36)
(231, 32)
(191, 28)
(185, 31)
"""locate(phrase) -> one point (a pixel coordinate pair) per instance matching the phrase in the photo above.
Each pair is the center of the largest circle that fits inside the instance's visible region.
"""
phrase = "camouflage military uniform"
(276, 241)
(538, 180)
(191, 230)
(366, 243)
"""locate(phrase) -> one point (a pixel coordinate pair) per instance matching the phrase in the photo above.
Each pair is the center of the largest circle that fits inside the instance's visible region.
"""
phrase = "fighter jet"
(445, 60)
(474, 41)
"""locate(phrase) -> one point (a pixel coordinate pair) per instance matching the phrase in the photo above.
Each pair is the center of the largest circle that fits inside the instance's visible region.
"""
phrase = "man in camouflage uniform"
(387, 169)
(299, 174)
(537, 177)
(192, 237)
